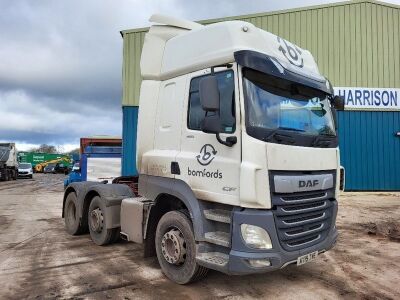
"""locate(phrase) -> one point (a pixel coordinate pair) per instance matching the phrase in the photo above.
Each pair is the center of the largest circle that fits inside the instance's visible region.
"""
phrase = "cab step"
(213, 260)
(218, 238)
(218, 215)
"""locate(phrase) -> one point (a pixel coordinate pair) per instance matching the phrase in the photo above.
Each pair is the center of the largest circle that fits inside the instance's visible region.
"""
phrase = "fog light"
(259, 263)
(255, 237)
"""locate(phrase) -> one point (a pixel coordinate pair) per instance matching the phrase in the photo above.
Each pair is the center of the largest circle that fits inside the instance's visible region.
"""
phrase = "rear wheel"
(97, 223)
(71, 218)
(176, 248)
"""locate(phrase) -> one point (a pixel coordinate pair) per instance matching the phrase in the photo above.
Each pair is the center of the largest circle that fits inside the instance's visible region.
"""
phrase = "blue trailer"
(98, 163)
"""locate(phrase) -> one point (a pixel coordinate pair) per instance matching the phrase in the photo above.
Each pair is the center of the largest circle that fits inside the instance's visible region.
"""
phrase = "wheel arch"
(169, 194)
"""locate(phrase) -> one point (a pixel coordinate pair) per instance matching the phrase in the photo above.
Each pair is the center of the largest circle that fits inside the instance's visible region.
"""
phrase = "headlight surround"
(255, 237)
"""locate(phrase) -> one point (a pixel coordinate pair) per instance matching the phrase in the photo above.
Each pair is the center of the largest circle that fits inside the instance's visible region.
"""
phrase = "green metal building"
(357, 46)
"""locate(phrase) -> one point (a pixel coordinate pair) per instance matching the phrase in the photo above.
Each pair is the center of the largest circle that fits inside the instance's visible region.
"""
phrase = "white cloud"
(22, 112)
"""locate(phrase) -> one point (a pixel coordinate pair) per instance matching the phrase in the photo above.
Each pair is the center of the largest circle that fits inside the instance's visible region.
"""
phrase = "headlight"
(255, 237)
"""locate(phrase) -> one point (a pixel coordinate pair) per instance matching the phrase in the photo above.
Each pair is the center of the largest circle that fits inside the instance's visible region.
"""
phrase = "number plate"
(301, 260)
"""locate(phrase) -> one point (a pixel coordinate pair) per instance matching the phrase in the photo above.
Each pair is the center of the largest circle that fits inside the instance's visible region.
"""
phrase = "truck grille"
(301, 225)
(303, 219)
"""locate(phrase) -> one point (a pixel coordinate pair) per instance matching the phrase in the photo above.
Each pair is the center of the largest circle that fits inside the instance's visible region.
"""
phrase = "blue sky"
(60, 61)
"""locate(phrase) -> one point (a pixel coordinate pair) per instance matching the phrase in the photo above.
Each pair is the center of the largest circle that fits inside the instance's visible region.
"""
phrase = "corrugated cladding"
(355, 43)
(369, 150)
(132, 50)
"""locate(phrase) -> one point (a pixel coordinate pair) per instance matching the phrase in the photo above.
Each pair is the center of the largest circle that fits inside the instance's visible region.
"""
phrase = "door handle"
(397, 134)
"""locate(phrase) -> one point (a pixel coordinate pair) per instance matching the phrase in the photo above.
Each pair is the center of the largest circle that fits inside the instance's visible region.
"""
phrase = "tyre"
(71, 219)
(97, 223)
(116, 235)
(6, 175)
(176, 248)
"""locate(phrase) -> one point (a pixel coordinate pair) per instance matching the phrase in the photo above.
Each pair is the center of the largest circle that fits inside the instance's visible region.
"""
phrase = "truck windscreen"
(281, 111)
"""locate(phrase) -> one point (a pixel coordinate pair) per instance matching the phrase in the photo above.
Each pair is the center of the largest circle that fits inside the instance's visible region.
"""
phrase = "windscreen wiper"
(290, 128)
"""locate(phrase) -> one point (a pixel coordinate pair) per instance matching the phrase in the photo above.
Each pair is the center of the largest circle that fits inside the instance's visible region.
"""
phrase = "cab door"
(210, 168)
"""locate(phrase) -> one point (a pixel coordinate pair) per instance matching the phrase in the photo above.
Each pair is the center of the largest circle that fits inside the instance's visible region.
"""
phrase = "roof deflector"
(171, 21)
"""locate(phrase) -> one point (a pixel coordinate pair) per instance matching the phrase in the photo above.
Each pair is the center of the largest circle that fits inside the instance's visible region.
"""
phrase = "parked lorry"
(100, 160)
(8, 162)
(98, 164)
(237, 155)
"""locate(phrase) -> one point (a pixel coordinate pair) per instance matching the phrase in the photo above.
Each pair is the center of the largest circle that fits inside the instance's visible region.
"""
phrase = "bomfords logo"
(207, 155)
(291, 52)
(308, 183)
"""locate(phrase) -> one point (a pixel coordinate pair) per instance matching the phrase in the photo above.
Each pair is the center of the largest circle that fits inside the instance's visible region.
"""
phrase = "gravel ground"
(39, 260)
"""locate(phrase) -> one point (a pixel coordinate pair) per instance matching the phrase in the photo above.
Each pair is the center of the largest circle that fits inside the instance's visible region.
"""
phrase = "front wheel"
(176, 248)
(97, 223)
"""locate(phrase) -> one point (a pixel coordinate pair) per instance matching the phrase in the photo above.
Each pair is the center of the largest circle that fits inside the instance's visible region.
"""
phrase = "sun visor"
(270, 65)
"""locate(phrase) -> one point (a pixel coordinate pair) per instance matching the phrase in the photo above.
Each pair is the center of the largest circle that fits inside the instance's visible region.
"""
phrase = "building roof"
(277, 12)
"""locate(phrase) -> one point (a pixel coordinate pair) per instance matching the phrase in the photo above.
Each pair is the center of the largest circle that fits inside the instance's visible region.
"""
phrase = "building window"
(226, 86)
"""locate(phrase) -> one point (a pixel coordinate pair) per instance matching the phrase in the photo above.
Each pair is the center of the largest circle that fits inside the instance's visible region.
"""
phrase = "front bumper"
(25, 174)
(240, 254)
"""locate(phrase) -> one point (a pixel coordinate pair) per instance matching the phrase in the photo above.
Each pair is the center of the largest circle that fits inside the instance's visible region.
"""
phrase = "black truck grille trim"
(304, 241)
(309, 197)
(299, 232)
(304, 207)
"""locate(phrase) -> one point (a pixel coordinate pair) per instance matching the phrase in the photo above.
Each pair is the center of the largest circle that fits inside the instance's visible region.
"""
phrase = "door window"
(226, 86)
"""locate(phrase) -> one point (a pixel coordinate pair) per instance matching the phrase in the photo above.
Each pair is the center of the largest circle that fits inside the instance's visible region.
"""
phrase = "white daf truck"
(237, 155)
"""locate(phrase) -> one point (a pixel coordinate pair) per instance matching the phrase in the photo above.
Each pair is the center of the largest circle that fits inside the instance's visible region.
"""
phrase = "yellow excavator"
(39, 167)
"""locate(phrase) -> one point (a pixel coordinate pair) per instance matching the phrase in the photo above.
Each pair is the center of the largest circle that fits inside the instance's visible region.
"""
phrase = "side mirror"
(211, 124)
(210, 101)
(209, 93)
(338, 102)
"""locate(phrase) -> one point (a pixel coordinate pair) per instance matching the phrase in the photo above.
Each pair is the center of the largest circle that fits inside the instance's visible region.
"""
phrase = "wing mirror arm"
(230, 140)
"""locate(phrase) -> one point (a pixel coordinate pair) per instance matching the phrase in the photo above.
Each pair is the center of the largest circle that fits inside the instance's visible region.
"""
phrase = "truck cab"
(237, 152)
